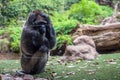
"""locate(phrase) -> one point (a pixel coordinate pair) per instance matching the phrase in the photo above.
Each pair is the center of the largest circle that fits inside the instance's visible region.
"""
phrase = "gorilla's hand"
(43, 49)
(42, 29)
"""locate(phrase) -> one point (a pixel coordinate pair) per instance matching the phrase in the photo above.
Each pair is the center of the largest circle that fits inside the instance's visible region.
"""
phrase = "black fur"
(38, 37)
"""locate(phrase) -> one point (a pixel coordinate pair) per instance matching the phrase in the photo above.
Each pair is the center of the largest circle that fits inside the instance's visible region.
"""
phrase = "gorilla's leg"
(34, 64)
(40, 65)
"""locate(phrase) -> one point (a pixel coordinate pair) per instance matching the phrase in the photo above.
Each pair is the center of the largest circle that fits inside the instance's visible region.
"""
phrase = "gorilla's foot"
(20, 73)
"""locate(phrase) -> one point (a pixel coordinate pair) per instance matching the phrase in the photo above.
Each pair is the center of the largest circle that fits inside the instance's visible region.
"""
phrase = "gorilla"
(37, 38)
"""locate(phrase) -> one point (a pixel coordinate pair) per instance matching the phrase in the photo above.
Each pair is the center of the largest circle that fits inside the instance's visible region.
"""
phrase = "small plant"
(61, 39)
(63, 26)
(15, 33)
(1, 31)
(4, 45)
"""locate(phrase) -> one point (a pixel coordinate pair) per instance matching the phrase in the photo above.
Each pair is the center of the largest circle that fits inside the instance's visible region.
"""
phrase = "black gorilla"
(38, 37)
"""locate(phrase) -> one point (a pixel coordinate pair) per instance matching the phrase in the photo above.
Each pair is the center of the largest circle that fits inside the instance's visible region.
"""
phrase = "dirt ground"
(4, 56)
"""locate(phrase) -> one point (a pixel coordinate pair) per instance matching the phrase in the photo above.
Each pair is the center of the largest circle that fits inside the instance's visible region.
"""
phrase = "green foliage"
(1, 18)
(11, 9)
(1, 31)
(61, 39)
(62, 24)
(20, 8)
(11, 33)
(88, 11)
(106, 11)
(15, 33)
(63, 27)
(4, 45)
(68, 3)
(45, 5)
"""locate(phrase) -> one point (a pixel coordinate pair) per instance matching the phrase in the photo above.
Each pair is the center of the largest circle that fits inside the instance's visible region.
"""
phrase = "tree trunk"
(106, 37)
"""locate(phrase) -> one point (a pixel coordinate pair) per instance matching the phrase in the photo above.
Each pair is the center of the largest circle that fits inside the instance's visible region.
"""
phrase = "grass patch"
(105, 67)
(9, 66)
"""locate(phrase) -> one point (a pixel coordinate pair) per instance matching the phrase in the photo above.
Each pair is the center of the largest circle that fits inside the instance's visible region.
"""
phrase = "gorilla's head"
(38, 21)
(36, 17)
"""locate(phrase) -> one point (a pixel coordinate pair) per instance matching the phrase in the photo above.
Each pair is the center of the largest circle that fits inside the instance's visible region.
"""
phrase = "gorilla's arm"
(51, 37)
(30, 40)
(50, 33)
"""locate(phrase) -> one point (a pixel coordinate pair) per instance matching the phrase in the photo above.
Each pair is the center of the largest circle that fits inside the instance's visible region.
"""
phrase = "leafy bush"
(106, 11)
(68, 3)
(10, 9)
(4, 45)
(87, 11)
(62, 24)
(20, 8)
(15, 33)
(61, 39)
(44, 5)
(1, 31)
(11, 33)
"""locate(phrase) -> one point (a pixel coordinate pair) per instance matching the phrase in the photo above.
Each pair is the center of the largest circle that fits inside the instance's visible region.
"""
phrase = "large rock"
(83, 48)
(106, 37)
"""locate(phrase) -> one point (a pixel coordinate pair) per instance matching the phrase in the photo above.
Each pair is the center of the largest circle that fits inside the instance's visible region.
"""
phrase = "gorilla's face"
(36, 18)
(37, 21)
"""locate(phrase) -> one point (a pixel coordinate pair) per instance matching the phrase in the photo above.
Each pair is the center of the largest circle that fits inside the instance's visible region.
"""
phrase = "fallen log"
(106, 37)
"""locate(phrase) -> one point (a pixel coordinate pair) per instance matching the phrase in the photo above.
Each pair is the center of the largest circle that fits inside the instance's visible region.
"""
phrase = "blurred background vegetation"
(65, 14)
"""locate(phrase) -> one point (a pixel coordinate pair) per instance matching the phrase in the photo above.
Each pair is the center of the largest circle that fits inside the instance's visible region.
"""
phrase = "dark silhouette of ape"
(38, 37)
